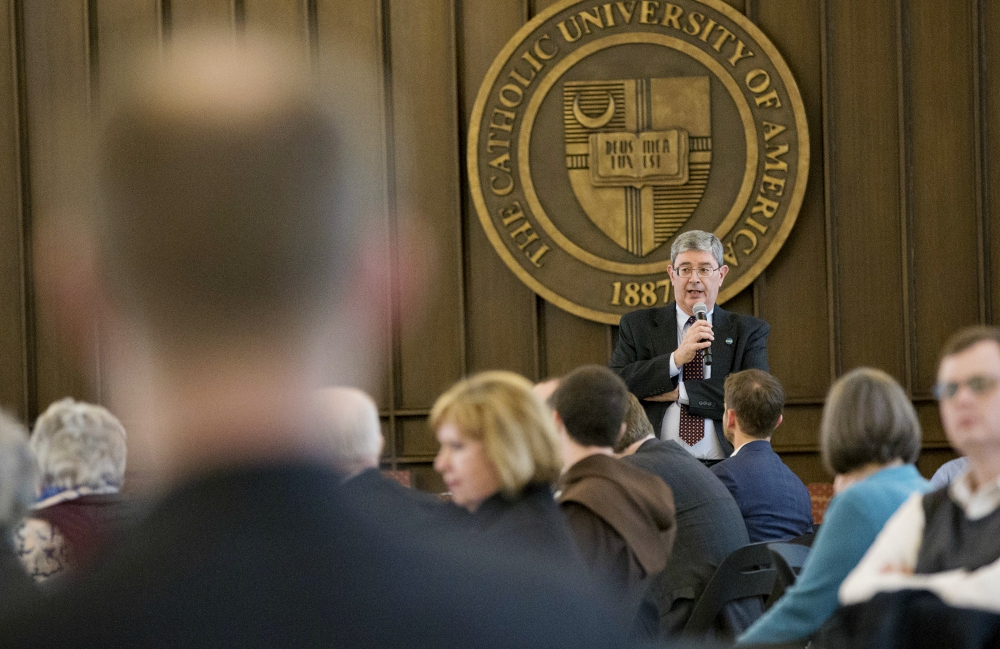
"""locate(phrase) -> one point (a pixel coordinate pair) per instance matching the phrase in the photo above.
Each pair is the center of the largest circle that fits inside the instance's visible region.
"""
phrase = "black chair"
(788, 560)
(747, 572)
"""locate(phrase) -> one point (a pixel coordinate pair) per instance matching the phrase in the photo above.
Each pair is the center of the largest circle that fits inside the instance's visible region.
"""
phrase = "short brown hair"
(867, 419)
(591, 401)
(757, 398)
(516, 429)
(969, 336)
(223, 211)
(637, 425)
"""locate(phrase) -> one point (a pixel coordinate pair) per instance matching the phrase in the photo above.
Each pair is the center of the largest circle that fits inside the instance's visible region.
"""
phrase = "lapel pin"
(729, 341)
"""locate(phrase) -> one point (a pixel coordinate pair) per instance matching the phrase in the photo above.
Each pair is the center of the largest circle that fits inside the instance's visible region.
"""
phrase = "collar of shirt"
(737, 449)
(977, 504)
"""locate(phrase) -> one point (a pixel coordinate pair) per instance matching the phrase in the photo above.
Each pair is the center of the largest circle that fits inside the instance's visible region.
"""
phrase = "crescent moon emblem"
(593, 122)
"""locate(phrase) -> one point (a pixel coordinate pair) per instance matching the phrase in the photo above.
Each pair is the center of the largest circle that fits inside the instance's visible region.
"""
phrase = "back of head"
(867, 419)
(500, 410)
(637, 425)
(758, 399)
(221, 212)
(350, 428)
(18, 472)
(591, 401)
(697, 240)
(79, 446)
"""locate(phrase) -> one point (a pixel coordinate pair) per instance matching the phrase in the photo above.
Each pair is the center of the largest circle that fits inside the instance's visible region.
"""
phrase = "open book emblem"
(638, 154)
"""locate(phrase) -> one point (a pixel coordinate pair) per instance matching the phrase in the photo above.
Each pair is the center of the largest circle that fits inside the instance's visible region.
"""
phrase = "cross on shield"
(638, 154)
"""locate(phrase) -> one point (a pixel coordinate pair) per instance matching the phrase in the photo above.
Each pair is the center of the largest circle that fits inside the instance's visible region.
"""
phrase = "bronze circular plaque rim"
(791, 213)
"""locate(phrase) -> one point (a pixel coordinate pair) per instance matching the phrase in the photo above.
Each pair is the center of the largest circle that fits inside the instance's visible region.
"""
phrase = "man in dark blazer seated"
(661, 351)
(774, 502)
(709, 527)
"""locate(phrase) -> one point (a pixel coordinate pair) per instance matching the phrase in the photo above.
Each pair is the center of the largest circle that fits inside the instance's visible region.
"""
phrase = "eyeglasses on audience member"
(978, 384)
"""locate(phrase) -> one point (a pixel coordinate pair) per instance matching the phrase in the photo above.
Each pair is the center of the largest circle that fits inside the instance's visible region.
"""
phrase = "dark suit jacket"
(774, 502)
(709, 529)
(646, 338)
(281, 557)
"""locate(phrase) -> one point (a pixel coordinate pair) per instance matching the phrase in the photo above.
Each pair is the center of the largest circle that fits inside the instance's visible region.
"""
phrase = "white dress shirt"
(889, 563)
(708, 447)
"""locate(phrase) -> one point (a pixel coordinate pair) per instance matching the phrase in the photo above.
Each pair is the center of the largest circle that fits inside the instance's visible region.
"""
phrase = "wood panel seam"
(832, 264)
(981, 182)
(904, 100)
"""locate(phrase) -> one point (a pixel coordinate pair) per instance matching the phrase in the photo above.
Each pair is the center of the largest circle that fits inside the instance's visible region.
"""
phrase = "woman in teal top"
(869, 439)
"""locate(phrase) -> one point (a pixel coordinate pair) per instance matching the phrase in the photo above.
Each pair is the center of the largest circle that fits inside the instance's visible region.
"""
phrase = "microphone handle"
(708, 350)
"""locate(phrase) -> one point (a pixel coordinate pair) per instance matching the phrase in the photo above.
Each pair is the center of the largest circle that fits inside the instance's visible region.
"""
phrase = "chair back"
(747, 572)
(788, 560)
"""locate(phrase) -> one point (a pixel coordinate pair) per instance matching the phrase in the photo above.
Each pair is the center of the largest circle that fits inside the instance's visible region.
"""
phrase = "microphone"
(701, 312)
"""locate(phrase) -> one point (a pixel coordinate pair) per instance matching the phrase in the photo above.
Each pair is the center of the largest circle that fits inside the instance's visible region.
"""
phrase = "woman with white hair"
(81, 453)
(18, 472)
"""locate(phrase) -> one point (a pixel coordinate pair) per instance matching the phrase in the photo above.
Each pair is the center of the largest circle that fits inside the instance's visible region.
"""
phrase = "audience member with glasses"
(948, 541)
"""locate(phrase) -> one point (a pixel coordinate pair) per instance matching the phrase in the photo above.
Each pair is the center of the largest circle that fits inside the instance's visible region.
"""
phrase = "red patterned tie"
(692, 428)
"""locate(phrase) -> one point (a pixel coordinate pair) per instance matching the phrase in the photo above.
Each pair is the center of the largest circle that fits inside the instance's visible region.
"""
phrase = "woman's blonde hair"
(516, 429)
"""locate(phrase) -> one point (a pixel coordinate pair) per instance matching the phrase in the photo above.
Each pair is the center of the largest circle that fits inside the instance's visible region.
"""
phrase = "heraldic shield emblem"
(638, 155)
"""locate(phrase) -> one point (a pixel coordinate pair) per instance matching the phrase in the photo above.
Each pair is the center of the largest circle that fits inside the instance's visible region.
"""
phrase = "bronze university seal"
(605, 129)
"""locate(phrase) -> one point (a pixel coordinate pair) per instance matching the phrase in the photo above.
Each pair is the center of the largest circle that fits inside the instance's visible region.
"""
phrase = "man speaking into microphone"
(676, 358)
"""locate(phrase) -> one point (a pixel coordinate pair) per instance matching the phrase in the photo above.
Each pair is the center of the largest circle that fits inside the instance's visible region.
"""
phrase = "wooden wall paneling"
(945, 229)
(425, 131)
(743, 302)
(571, 341)
(57, 76)
(795, 300)
(799, 430)
(15, 345)
(930, 424)
(807, 466)
(287, 19)
(124, 29)
(834, 336)
(355, 31)
(989, 85)
(199, 14)
(499, 309)
(416, 441)
(862, 129)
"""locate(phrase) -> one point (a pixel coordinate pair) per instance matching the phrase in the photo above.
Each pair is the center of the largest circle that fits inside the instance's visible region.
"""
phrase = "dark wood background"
(893, 248)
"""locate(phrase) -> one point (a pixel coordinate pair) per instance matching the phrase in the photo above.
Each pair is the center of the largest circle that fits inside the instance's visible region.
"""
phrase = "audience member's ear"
(730, 418)
(781, 418)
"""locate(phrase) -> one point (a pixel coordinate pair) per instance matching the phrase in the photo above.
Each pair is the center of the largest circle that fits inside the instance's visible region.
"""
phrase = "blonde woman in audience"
(499, 457)
(81, 453)
(869, 440)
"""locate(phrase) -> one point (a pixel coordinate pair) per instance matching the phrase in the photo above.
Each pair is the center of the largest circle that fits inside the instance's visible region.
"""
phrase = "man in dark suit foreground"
(227, 273)
(709, 527)
(774, 502)
(661, 351)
